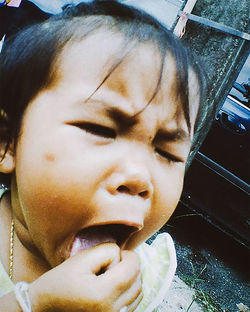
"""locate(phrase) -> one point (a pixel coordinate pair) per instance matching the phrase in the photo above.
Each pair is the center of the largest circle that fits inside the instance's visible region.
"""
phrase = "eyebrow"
(162, 135)
(121, 116)
(118, 107)
(125, 118)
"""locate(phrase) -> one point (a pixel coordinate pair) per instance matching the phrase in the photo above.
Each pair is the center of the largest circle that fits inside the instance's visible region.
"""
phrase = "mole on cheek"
(49, 157)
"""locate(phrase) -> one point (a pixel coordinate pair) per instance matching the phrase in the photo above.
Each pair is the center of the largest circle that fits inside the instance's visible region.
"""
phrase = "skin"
(69, 174)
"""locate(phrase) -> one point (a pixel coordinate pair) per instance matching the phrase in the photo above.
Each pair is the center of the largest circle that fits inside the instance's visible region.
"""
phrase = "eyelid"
(170, 157)
(96, 129)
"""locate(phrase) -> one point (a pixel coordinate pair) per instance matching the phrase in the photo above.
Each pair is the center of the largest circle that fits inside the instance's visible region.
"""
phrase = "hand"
(95, 280)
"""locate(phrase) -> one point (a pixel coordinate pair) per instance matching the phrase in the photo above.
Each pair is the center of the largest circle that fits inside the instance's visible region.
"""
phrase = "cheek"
(165, 201)
(60, 187)
(53, 210)
(168, 188)
(50, 197)
(56, 188)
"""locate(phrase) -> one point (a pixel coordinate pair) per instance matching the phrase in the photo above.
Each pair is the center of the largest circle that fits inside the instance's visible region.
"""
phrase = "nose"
(132, 180)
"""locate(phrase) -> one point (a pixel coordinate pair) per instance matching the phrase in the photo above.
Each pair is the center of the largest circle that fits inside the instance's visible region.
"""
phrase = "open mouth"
(95, 235)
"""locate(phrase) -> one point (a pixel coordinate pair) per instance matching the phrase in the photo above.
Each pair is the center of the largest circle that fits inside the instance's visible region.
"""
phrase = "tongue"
(90, 238)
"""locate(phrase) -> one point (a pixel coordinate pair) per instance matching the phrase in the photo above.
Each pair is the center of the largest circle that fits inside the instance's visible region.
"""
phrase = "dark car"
(217, 182)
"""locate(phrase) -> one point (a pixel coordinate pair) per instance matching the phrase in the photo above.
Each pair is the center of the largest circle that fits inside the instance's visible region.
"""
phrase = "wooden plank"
(179, 29)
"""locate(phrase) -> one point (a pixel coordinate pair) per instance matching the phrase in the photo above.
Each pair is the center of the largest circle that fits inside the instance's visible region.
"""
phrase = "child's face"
(83, 164)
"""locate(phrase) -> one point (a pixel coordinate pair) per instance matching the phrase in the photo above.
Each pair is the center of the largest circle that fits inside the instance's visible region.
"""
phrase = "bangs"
(28, 59)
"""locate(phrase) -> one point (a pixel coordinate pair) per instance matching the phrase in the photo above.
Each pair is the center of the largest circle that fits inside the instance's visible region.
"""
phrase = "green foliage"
(204, 300)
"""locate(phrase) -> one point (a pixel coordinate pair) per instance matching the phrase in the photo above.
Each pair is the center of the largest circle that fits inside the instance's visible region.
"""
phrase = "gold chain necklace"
(11, 249)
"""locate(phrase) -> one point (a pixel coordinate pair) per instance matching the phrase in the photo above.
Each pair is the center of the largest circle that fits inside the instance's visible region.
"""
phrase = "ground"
(213, 269)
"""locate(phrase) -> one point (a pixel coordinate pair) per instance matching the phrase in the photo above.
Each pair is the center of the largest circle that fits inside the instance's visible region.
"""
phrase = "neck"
(28, 265)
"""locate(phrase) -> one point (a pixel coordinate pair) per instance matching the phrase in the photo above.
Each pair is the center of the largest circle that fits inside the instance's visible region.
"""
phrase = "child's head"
(100, 106)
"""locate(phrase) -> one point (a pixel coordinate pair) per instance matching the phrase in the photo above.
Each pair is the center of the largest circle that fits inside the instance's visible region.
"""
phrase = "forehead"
(107, 62)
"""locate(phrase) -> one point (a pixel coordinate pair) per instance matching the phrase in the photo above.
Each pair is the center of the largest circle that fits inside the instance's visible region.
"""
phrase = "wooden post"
(179, 29)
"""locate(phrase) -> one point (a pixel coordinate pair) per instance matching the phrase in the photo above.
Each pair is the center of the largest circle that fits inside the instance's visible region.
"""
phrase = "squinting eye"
(98, 130)
(170, 158)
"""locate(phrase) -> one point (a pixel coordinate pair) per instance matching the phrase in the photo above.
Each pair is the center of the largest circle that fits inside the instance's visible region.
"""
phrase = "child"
(99, 106)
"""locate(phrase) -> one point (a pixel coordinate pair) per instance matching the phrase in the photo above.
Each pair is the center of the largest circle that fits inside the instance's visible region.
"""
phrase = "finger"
(132, 296)
(96, 259)
(124, 274)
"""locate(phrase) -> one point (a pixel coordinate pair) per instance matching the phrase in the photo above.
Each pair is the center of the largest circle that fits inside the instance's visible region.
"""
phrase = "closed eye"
(96, 129)
(171, 158)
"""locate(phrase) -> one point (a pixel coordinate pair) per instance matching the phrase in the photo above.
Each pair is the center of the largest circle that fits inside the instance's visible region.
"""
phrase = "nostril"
(140, 190)
(127, 190)
(144, 194)
(123, 189)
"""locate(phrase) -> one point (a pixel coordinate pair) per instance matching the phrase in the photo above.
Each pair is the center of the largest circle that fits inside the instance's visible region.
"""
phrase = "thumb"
(98, 259)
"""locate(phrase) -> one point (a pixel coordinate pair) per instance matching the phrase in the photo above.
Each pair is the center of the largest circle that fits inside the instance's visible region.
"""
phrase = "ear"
(7, 160)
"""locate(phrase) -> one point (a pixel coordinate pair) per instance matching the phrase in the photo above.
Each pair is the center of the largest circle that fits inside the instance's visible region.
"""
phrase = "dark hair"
(27, 59)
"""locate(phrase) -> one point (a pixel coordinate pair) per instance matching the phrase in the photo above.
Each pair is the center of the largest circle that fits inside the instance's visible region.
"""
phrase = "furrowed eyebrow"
(173, 135)
(124, 115)
(121, 116)
(117, 109)
(128, 119)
